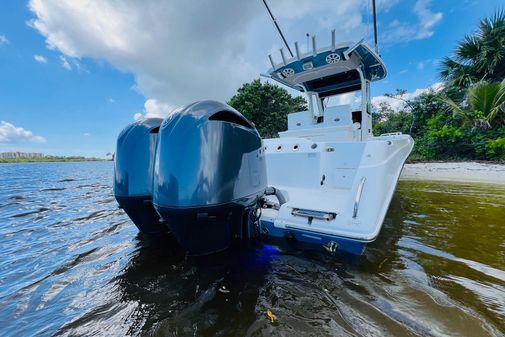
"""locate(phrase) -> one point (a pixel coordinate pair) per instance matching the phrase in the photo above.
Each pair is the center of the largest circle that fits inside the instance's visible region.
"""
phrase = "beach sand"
(456, 171)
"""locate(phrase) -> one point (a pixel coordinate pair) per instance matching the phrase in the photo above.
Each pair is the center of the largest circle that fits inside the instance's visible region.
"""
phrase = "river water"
(72, 264)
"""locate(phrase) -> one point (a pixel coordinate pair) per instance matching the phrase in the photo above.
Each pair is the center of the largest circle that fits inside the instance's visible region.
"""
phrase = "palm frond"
(468, 51)
(498, 110)
(479, 56)
(482, 96)
(453, 107)
(457, 74)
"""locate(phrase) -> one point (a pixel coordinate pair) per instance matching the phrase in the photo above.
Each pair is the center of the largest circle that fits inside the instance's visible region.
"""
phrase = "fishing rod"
(278, 28)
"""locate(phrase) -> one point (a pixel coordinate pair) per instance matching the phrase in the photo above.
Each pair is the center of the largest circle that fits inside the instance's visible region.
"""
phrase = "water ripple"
(73, 264)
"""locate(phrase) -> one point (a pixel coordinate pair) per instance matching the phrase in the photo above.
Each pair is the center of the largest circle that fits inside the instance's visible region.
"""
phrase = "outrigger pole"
(278, 28)
(375, 27)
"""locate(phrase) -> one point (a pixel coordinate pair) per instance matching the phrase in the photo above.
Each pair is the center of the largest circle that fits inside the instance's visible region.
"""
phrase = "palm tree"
(479, 56)
(484, 106)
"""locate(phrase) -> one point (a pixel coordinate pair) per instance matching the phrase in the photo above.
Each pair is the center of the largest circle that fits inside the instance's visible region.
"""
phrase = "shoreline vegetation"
(49, 159)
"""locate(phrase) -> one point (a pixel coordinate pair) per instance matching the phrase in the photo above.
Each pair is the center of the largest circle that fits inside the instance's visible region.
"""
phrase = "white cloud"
(40, 58)
(9, 134)
(86, 134)
(154, 108)
(427, 19)
(3, 40)
(400, 31)
(111, 100)
(180, 52)
(137, 116)
(64, 63)
(398, 104)
(421, 65)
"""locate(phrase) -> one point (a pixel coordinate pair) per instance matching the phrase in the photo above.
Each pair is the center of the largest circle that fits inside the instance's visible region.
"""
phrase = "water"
(71, 264)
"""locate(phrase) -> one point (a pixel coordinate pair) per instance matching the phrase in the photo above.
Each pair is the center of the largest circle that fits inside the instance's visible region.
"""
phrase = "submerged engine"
(203, 181)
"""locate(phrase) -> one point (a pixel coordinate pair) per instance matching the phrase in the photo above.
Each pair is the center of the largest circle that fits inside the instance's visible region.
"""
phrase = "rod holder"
(333, 40)
(297, 50)
(283, 56)
(271, 61)
(314, 48)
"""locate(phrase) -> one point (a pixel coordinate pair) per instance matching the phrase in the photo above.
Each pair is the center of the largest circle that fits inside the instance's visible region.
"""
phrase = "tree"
(387, 120)
(267, 106)
(479, 56)
(485, 106)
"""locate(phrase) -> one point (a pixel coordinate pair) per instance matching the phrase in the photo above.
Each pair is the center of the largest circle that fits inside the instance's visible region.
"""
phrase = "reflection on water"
(73, 264)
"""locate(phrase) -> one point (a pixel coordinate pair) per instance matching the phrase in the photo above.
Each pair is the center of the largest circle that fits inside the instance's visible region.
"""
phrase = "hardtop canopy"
(329, 71)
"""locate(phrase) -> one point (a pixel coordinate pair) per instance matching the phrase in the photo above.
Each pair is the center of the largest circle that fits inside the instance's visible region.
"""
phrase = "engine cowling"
(133, 173)
(209, 173)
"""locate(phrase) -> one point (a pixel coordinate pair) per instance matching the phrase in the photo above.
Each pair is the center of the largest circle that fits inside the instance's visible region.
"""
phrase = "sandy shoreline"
(456, 171)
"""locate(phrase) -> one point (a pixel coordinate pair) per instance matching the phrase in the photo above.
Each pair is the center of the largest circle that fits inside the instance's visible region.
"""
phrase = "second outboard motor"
(210, 172)
(133, 173)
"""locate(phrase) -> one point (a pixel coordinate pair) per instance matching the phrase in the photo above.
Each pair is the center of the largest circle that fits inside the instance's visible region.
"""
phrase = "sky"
(74, 73)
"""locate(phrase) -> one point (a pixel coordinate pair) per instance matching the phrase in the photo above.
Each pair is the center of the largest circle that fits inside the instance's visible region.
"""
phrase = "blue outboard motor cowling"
(209, 173)
(133, 173)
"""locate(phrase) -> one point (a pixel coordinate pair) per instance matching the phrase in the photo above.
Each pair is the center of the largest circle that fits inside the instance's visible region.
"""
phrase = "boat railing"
(357, 199)
(391, 134)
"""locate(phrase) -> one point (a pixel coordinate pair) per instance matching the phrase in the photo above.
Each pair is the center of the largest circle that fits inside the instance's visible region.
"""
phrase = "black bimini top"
(330, 71)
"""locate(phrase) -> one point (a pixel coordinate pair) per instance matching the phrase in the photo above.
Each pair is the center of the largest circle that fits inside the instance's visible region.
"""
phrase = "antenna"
(278, 28)
(375, 27)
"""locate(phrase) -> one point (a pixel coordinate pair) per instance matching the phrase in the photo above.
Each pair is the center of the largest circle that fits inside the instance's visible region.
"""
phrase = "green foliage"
(479, 56)
(438, 131)
(485, 105)
(446, 130)
(267, 106)
(440, 139)
(496, 148)
(387, 121)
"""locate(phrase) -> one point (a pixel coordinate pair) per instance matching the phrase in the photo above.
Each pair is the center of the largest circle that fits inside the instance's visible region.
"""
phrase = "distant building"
(21, 155)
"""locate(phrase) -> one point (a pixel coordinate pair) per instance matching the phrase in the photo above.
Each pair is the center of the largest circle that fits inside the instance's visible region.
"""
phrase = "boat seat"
(337, 125)
(340, 115)
(332, 133)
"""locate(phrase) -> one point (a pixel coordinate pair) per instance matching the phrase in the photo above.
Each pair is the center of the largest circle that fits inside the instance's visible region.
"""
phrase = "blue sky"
(74, 73)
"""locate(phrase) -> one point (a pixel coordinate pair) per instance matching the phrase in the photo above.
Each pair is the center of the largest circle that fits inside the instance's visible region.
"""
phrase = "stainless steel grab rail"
(358, 197)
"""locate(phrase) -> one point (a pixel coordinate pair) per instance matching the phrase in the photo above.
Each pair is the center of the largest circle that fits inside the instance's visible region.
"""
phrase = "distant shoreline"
(48, 160)
(465, 172)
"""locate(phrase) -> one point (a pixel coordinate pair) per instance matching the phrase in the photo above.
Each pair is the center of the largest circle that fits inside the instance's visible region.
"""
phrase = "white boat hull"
(346, 185)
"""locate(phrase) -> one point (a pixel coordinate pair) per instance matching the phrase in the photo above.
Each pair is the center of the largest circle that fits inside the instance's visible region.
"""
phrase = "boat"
(336, 177)
(205, 175)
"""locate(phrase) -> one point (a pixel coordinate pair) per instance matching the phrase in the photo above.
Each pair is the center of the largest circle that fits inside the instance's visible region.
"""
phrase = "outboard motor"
(133, 174)
(209, 175)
